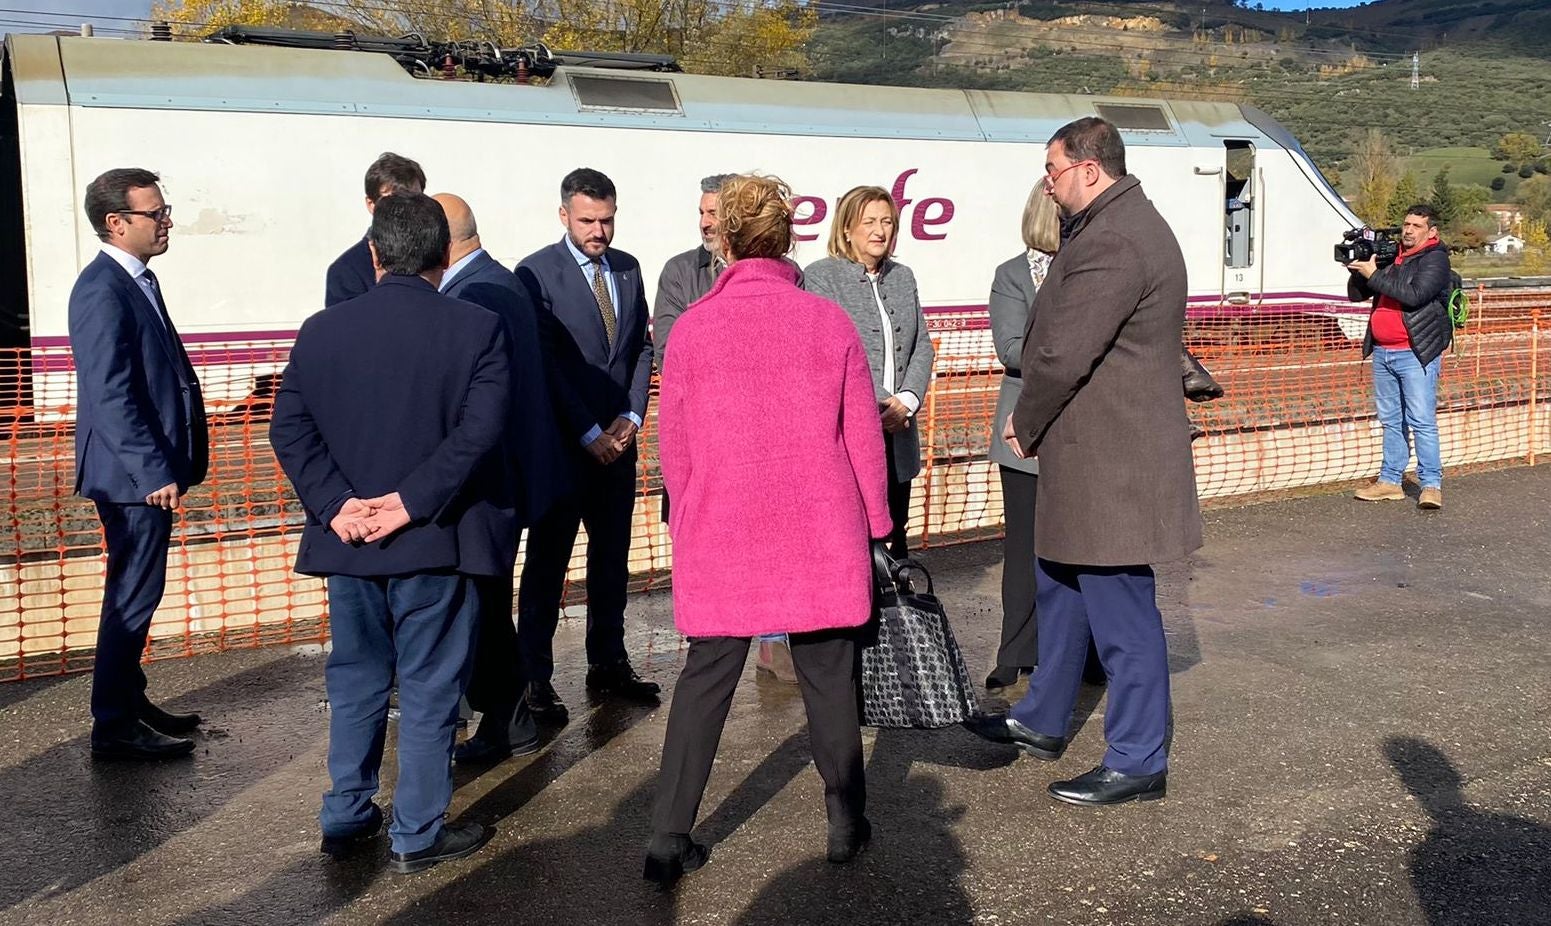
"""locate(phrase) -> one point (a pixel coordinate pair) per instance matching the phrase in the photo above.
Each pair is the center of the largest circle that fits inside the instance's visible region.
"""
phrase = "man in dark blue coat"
(541, 476)
(140, 443)
(592, 315)
(390, 410)
(352, 273)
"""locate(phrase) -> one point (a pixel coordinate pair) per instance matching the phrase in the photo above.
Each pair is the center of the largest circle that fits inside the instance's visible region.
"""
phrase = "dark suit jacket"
(140, 415)
(534, 455)
(593, 384)
(400, 390)
(350, 275)
(1012, 298)
(1101, 401)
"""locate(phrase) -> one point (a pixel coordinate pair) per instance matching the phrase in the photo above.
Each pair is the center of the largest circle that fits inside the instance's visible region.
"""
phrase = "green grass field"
(1466, 165)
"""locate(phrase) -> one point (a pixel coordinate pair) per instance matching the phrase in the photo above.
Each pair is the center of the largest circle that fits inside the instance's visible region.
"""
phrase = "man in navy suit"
(534, 459)
(140, 443)
(592, 314)
(392, 407)
(352, 273)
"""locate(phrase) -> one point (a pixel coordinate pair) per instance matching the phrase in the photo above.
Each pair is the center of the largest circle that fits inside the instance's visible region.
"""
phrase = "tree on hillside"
(1443, 199)
(1537, 247)
(1373, 164)
(1408, 192)
(706, 36)
(1518, 148)
(1535, 196)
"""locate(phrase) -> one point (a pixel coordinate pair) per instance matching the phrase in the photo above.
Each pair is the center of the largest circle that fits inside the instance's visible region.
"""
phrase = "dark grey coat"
(1101, 398)
(845, 282)
(685, 278)
(1012, 296)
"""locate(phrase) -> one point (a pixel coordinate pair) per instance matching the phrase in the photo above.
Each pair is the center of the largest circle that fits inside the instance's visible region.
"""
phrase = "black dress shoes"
(1104, 785)
(167, 723)
(481, 750)
(847, 842)
(340, 845)
(1000, 728)
(670, 858)
(546, 705)
(618, 678)
(457, 840)
(1004, 677)
(139, 743)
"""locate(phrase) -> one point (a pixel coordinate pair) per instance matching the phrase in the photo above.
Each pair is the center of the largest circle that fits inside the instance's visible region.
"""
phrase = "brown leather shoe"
(1380, 492)
(1432, 499)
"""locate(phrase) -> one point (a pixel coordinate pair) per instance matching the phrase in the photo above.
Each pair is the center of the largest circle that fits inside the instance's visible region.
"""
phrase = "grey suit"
(685, 278)
(1012, 299)
(845, 282)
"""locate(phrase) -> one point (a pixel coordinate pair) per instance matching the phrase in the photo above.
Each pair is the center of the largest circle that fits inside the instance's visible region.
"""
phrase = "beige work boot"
(1380, 492)
(1432, 499)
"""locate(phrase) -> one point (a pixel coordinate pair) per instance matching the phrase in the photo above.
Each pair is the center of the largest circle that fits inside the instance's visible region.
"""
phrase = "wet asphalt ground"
(1362, 699)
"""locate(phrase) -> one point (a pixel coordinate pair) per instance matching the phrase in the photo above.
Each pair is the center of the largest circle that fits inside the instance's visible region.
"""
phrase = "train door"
(1243, 224)
(15, 362)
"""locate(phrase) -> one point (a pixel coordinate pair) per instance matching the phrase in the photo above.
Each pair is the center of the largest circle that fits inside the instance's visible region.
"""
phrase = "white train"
(262, 150)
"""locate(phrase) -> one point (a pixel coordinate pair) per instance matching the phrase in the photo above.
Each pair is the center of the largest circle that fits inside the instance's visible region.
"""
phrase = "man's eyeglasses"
(1053, 177)
(158, 215)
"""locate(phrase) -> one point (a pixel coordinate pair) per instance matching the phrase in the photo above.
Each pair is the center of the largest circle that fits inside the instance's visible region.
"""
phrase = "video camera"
(1382, 244)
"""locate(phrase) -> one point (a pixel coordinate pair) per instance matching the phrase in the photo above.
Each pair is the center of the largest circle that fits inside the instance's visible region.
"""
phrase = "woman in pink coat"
(770, 448)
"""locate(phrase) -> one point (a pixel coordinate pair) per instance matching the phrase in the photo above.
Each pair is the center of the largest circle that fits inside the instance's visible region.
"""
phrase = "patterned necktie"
(161, 307)
(600, 290)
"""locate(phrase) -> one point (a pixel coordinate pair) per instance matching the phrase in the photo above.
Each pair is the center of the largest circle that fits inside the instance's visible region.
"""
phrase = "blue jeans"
(420, 628)
(1405, 394)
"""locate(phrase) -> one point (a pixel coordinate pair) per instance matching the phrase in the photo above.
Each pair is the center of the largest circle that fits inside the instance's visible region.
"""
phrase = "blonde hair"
(849, 213)
(1041, 223)
(754, 216)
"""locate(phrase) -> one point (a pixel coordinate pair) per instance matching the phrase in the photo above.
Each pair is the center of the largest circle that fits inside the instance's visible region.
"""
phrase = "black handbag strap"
(892, 576)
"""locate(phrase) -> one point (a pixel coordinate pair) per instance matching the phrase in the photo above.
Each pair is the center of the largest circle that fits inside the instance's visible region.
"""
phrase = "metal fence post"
(1534, 381)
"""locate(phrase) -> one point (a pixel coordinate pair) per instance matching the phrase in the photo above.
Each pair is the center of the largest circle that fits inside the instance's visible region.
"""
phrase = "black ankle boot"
(848, 840)
(669, 858)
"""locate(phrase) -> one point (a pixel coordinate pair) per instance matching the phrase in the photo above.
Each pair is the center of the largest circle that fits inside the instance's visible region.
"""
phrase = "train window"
(616, 93)
(1135, 118)
(1239, 212)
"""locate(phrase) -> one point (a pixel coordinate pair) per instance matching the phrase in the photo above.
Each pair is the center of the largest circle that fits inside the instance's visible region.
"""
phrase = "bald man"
(534, 468)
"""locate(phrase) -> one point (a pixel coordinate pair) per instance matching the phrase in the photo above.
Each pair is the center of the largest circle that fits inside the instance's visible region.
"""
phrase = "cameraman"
(1407, 334)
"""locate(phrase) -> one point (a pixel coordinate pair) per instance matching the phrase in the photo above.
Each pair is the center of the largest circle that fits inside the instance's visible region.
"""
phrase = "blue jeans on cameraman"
(1405, 394)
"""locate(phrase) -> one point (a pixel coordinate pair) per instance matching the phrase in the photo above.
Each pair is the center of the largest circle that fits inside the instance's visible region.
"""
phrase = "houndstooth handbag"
(913, 674)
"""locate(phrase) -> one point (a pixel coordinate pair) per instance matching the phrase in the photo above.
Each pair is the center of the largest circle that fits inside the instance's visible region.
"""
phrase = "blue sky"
(69, 14)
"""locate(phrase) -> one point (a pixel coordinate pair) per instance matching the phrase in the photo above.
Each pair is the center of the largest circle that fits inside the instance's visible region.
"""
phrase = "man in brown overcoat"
(1101, 408)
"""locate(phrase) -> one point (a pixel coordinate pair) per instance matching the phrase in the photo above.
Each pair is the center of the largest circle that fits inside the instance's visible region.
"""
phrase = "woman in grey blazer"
(879, 293)
(1012, 299)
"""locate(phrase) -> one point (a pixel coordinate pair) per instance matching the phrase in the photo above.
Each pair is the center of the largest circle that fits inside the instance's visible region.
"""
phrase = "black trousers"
(604, 501)
(899, 503)
(828, 668)
(137, 538)
(496, 686)
(1020, 633)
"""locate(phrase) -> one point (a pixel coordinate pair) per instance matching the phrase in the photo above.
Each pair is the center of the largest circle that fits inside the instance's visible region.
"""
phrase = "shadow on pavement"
(70, 820)
(1473, 867)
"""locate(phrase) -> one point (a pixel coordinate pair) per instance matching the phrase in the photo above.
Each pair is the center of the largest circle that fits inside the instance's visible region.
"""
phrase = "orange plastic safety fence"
(1297, 414)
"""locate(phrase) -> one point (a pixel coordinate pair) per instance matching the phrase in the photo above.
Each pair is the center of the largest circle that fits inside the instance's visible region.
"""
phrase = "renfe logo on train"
(929, 213)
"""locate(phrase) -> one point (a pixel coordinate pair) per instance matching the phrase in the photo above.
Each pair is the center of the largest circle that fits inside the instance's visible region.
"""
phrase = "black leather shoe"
(477, 750)
(1004, 677)
(620, 679)
(342, 844)
(670, 858)
(847, 842)
(457, 840)
(1104, 785)
(139, 743)
(167, 723)
(1000, 728)
(546, 705)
